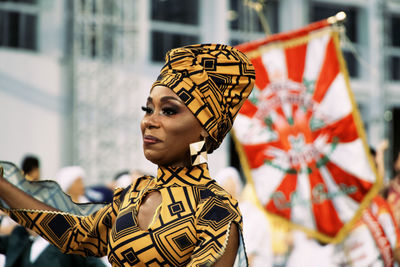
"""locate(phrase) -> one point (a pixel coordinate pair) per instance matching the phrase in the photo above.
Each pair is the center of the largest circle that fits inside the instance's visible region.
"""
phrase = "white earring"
(198, 153)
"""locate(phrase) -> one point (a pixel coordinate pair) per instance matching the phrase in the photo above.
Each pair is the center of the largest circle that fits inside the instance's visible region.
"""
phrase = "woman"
(181, 217)
(70, 179)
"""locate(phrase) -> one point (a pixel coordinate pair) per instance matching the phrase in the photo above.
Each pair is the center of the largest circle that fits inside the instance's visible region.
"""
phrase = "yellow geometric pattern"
(212, 80)
(191, 228)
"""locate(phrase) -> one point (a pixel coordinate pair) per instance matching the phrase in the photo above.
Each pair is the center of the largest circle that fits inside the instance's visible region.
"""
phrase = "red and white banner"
(299, 135)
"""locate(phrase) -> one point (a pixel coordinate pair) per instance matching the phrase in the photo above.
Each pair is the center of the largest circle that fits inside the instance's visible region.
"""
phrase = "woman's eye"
(169, 111)
(147, 110)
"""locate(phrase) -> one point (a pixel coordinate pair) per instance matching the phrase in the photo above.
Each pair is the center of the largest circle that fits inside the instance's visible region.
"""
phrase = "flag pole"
(258, 7)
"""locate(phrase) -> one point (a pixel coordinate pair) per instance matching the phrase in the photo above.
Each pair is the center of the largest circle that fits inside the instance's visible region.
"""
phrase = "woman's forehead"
(160, 91)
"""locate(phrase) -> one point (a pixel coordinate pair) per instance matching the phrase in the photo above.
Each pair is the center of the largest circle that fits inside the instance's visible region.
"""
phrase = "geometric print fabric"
(191, 227)
(213, 81)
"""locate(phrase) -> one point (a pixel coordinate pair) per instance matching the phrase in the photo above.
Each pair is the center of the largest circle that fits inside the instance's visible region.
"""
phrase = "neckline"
(183, 176)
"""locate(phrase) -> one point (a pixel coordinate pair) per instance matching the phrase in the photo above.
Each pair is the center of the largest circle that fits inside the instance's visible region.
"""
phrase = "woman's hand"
(2, 178)
(1, 173)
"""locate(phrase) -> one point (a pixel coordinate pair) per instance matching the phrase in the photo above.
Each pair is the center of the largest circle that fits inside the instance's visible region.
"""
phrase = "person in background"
(308, 252)
(379, 157)
(393, 196)
(31, 167)
(256, 227)
(70, 180)
(24, 248)
(125, 178)
(375, 238)
(99, 193)
(121, 180)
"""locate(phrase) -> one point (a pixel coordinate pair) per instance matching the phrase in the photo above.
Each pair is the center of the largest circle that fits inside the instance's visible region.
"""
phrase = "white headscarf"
(67, 176)
(123, 181)
(230, 173)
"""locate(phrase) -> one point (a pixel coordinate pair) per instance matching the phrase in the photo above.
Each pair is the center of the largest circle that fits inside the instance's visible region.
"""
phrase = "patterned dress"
(191, 225)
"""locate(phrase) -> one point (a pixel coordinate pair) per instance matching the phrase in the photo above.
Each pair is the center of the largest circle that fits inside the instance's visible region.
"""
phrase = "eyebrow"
(165, 99)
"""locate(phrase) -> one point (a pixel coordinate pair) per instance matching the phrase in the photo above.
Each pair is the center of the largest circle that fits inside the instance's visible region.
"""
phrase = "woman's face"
(168, 127)
(77, 188)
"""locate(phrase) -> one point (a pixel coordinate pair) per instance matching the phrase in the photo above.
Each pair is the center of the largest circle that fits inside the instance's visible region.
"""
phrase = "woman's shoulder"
(213, 189)
(215, 197)
(217, 207)
(142, 182)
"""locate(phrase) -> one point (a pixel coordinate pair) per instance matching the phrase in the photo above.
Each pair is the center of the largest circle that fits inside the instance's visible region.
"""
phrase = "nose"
(151, 121)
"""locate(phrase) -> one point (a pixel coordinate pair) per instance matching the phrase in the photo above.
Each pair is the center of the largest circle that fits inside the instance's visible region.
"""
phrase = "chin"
(155, 159)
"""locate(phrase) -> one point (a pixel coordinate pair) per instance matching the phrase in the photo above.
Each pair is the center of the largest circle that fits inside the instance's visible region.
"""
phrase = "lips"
(149, 139)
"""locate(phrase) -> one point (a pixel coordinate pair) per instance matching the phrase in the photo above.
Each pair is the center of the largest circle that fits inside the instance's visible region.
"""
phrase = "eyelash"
(147, 110)
(167, 110)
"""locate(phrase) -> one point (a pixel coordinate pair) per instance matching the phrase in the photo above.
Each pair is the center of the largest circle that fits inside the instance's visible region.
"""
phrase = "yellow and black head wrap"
(212, 80)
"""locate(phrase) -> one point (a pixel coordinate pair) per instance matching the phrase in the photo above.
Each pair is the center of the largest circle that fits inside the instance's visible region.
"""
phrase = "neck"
(186, 163)
(168, 175)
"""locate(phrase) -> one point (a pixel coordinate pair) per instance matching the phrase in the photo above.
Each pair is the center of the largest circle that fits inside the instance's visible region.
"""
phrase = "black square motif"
(176, 208)
(130, 256)
(59, 225)
(183, 241)
(184, 96)
(209, 63)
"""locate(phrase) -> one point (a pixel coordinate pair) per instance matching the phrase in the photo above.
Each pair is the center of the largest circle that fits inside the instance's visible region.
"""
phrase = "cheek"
(189, 127)
(185, 131)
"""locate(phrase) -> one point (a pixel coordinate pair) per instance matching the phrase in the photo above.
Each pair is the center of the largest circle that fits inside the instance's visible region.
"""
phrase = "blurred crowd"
(269, 241)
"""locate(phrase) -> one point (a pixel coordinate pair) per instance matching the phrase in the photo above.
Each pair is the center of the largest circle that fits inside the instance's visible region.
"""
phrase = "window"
(174, 23)
(162, 42)
(322, 11)
(394, 49)
(177, 11)
(364, 112)
(18, 24)
(245, 22)
(20, 1)
(395, 68)
(395, 33)
(105, 29)
(351, 62)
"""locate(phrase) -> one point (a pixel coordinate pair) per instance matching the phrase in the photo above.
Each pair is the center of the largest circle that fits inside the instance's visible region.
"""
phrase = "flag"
(299, 135)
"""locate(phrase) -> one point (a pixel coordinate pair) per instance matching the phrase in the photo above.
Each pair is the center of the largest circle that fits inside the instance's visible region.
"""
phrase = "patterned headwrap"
(212, 80)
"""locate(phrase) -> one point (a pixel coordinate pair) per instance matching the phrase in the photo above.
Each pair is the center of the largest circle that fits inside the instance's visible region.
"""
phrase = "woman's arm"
(380, 157)
(229, 256)
(18, 199)
(81, 234)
